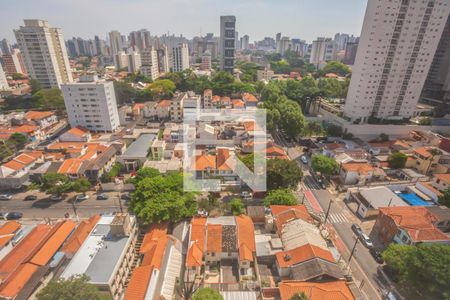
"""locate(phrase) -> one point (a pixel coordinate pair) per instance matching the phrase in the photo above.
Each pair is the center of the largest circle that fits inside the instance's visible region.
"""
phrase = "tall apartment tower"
(134, 62)
(13, 62)
(3, 83)
(115, 42)
(227, 43)
(149, 61)
(395, 51)
(322, 50)
(437, 86)
(44, 53)
(245, 41)
(4, 47)
(180, 57)
(163, 59)
(140, 40)
(91, 103)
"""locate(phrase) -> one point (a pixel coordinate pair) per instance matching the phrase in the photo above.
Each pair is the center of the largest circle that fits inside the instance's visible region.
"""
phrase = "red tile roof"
(417, 221)
(245, 237)
(214, 238)
(334, 290)
(80, 234)
(204, 162)
(17, 281)
(197, 242)
(302, 254)
(7, 232)
(360, 168)
(38, 115)
(137, 287)
(78, 131)
(423, 151)
(443, 177)
(285, 213)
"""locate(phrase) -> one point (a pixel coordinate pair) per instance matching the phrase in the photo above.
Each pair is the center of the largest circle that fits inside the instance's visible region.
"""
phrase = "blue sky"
(304, 19)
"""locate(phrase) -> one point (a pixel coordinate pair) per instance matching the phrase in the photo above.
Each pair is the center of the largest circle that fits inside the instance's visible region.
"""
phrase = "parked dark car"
(30, 198)
(125, 196)
(55, 198)
(14, 215)
(376, 255)
(356, 229)
(102, 196)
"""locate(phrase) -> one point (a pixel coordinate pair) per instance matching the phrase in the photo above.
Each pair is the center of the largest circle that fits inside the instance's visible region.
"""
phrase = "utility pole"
(390, 201)
(74, 208)
(353, 249)
(328, 212)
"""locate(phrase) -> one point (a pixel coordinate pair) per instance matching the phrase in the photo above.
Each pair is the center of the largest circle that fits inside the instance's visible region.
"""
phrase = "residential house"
(427, 160)
(8, 231)
(136, 154)
(43, 119)
(157, 111)
(409, 225)
(107, 254)
(442, 213)
(157, 149)
(176, 107)
(14, 173)
(338, 289)
(356, 173)
(76, 134)
(250, 100)
(282, 214)
(237, 104)
(207, 99)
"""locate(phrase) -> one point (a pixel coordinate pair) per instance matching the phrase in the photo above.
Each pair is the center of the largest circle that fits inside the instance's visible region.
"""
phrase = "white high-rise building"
(163, 59)
(91, 103)
(245, 41)
(44, 52)
(121, 60)
(3, 82)
(115, 42)
(395, 51)
(134, 62)
(180, 57)
(149, 61)
(322, 50)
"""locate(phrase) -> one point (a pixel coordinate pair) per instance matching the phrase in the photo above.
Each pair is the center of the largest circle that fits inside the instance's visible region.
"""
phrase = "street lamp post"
(353, 250)
(328, 211)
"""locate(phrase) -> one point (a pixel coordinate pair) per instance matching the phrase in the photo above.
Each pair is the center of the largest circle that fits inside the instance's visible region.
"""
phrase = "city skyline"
(198, 18)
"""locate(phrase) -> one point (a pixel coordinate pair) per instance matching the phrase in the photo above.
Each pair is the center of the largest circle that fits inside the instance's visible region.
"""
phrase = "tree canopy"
(335, 67)
(74, 288)
(162, 198)
(397, 160)
(283, 173)
(236, 206)
(81, 185)
(207, 294)
(49, 99)
(423, 269)
(280, 197)
(324, 164)
(444, 199)
(55, 183)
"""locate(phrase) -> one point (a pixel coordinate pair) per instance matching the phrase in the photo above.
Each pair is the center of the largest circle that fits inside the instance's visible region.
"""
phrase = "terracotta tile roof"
(331, 75)
(70, 166)
(26, 128)
(214, 238)
(238, 103)
(247, 97)
(194, 256)
(275, 151)
(423, 151)
(401, 144)
(333, 290)
(78, 131)
(155, 232)
(7, 232)
(164, 103)
(417, 221)
(25, 158)
(38, 115)
(138, 285)
(154, 256)
(18, 279)
(197, 242)
(67, 145)
(443, 177)
(246, 237)
(285, 213)
(80, 234)
(302, 254)
(5, 136)
(207, 92)
(13, 165)
(204, 162)
(22, 250)
(431, 188)
(222, 155)
(249, 125)
(51, 246)
(361, 168)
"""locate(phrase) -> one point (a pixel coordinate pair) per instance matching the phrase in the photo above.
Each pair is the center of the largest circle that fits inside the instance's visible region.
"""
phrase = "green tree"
(112, 173)
(19, 140)
(18, 76)
(324, 164)
(423, 269)
(55, 183)
(335, 67)
(397, 160)
(35, 86)
(49, 99)
(330, 87)
(207, 294)
(125, 93)
(444, 199)
(162, 88)
(81, 185)
(162, 198)
(299, 296)
(280, 197)
(283, 173)
(334, 130)
(236, 206)
(70, 289)
(146, 173)
(291, 120)
(313, 128)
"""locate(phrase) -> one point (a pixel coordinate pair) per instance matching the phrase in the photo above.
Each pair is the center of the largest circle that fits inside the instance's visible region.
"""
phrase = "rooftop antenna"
(201, 35)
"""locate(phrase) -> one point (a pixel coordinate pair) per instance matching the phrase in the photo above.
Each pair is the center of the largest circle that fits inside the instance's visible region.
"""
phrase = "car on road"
(376, 255)
(102, 196)
(81, 197)
(5, 196)
(304, 159)
(125, 196)
(14, 215)
(366, 240)
(55, 198)
(30, 198)
(246, 195)
(356, 229)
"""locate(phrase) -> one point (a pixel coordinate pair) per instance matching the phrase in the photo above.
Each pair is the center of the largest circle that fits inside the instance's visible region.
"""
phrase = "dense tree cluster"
(72, 288)
(280, 197)
(324, 164)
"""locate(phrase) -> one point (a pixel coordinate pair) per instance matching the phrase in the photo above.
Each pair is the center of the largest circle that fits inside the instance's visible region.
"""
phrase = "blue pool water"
(414, 200)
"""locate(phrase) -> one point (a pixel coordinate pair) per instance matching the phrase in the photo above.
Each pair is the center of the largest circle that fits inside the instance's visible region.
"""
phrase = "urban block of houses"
(408, 225)
(35, 256)
(137, 153)
(14, 173)
(43, 119)
(216, 244)
(106, 255)
(76, 134)
(157, 111)
(316, 290)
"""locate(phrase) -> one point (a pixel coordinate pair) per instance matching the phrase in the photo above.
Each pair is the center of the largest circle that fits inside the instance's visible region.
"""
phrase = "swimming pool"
(414, 200)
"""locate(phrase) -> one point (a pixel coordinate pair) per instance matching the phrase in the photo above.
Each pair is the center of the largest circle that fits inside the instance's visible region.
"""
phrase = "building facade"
(13, 62)
(3, 82)
(134, 62)
(227, 43)
(115, 42)
(322, 50)
(180, 57)
(44, 53)
(395, 52)
(149, 61)
(91, 103)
